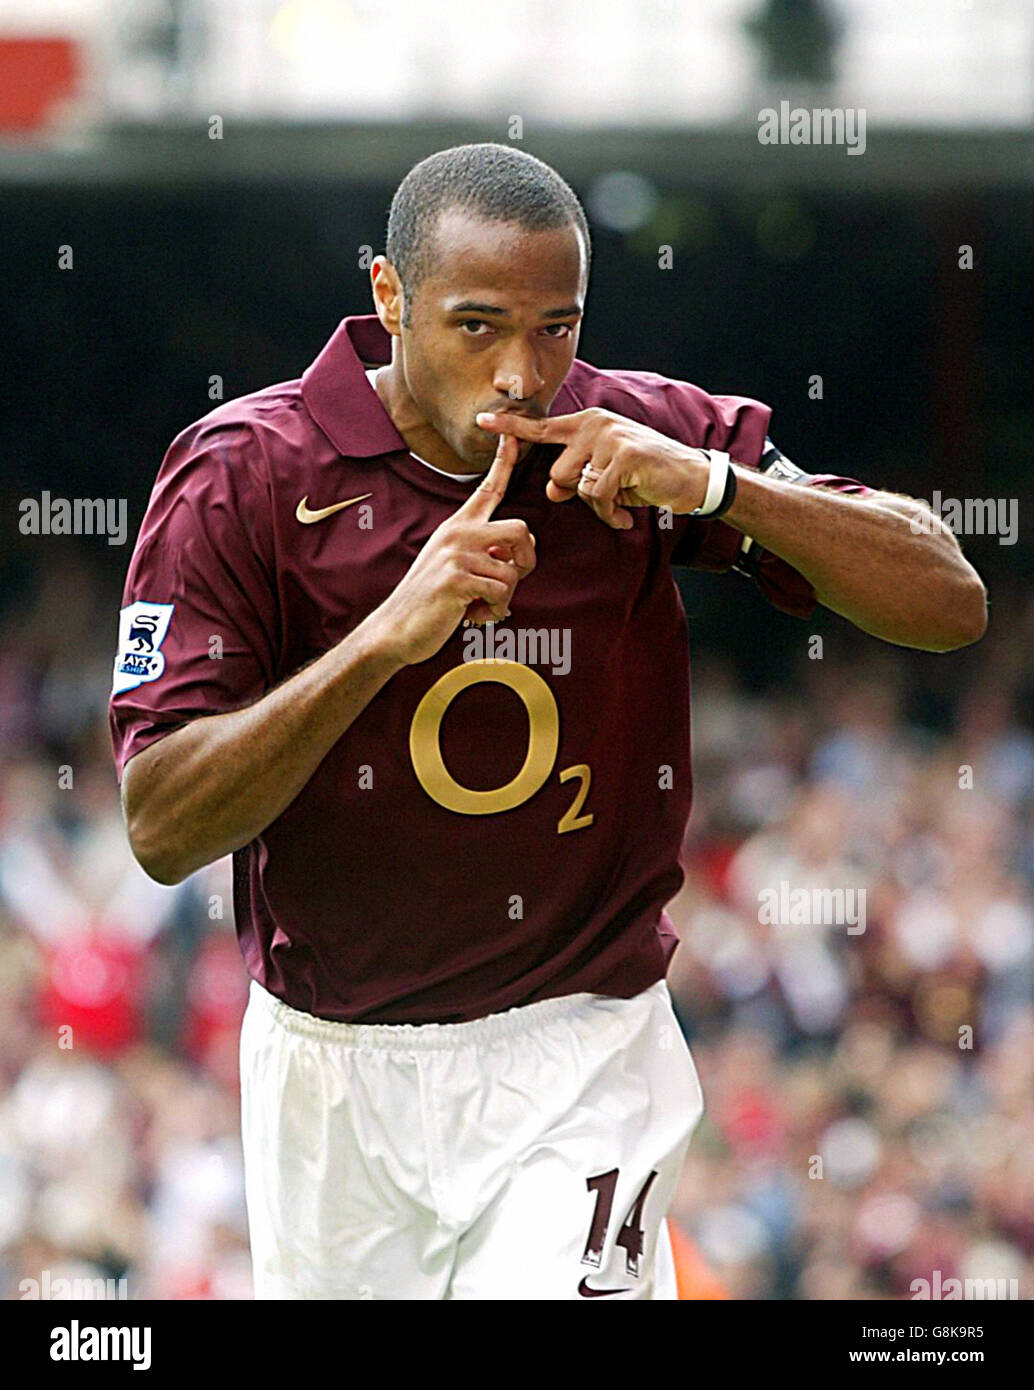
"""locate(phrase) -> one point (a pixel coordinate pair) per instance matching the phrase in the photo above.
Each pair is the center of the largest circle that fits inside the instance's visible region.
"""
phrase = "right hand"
(468, 568)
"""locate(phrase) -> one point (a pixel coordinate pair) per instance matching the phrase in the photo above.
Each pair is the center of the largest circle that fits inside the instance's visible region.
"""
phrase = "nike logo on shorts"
(587, 1292)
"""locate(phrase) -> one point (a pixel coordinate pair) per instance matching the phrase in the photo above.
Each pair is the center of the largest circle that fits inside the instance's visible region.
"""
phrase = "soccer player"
(403, 636)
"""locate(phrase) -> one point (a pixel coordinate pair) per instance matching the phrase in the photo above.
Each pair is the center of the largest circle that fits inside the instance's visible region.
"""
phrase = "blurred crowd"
(868, 1071)
(868, 1075)
(120, 1000)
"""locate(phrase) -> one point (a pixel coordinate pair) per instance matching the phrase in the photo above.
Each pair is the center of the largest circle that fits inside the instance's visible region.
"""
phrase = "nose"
(517, 374)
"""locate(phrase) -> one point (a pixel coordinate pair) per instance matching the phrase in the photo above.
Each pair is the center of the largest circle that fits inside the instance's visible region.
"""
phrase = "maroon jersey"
(501, 823)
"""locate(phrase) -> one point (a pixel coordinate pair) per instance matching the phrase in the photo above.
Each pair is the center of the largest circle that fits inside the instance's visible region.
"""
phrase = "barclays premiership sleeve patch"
(142, 629)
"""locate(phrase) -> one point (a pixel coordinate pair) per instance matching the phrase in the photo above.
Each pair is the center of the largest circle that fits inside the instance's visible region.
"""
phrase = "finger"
(517, 541)
(478, 614)
(600, 487)
(611, 514)
(498, 566)
(556, 429)
(483, 501)
(556, 493)
(623, 501)
(493, 593)
(566, 468)
(494, 567)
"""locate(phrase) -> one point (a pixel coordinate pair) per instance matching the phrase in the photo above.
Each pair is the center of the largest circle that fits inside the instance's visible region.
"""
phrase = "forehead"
(470, 254)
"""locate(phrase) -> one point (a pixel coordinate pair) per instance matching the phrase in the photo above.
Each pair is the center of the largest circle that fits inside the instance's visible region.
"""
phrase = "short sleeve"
(199, 626)
(717, 547)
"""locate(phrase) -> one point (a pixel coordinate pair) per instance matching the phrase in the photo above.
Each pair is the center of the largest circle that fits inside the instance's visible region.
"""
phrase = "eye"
(473, 327)
(563, 330)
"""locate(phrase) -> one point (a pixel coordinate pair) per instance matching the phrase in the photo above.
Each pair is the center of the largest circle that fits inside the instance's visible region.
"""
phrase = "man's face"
(493, 326)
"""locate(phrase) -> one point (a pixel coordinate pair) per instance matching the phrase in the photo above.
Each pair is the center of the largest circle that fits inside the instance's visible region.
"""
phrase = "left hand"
(612, 463)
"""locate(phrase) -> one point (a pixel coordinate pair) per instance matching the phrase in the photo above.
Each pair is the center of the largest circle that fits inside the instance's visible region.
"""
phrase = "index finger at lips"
(550, 429)
(483, 501)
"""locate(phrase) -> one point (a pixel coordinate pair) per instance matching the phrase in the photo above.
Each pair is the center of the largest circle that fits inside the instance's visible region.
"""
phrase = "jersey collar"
(338, 394)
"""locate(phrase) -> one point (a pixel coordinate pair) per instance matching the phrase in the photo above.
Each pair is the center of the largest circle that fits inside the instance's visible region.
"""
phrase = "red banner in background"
(36, 76)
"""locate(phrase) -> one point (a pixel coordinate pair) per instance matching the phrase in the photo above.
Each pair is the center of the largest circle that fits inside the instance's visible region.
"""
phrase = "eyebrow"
(470, 306)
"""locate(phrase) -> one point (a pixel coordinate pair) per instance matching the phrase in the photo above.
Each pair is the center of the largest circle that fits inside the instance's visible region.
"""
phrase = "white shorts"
(531, 1154)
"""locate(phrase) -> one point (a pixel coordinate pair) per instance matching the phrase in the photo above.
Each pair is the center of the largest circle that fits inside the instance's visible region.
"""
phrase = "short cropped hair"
(496, 182)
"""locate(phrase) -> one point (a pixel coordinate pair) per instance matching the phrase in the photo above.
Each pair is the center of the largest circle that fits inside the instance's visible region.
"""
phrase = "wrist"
(694, 482)
(373, 645)
(711, 488)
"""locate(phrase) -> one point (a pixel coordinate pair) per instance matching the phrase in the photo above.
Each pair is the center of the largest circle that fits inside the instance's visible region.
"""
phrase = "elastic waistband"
(432, 1037)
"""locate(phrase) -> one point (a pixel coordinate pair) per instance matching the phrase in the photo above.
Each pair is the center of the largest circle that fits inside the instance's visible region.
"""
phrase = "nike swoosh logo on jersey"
(587, 1292)
(307, 517)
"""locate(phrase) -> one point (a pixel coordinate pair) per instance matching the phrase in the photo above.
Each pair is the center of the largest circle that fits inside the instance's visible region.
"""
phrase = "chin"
(478, 452)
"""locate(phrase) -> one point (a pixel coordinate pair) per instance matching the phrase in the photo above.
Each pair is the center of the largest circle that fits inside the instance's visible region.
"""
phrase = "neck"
(421, 437)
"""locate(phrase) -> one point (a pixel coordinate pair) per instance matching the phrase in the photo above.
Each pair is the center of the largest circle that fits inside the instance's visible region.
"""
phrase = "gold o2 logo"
(543, 740)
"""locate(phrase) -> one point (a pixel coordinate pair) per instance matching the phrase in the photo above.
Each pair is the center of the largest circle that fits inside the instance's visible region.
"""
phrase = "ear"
(389, 299)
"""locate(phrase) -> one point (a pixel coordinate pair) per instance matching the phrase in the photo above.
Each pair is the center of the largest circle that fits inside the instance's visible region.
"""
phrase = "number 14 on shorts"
(631, 1238)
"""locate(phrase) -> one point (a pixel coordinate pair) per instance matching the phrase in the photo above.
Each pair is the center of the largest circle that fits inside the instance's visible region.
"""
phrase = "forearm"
(861, 555)
(215, 784)
(865, 560)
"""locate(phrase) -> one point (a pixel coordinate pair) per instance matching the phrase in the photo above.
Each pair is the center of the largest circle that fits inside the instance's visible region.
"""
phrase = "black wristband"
(728, 496)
